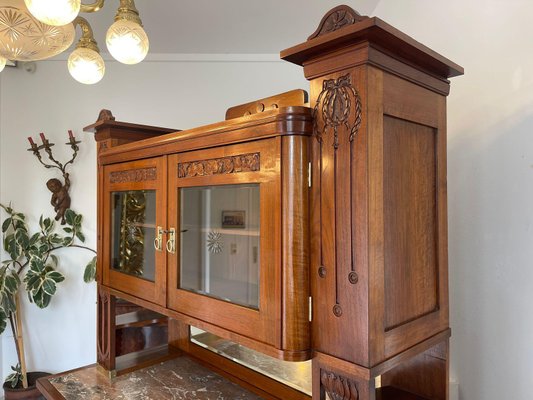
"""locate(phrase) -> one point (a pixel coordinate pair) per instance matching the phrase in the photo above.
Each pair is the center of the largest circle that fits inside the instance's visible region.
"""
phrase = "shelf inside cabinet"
(139, 318)
(144, 358)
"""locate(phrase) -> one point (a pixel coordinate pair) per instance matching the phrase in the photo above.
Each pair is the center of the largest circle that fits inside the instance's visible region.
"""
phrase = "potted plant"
(32, 268)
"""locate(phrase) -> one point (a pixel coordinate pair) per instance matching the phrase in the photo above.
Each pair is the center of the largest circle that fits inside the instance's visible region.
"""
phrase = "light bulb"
(127, 42)
(2, 63)
(86, 66)
(54, 12)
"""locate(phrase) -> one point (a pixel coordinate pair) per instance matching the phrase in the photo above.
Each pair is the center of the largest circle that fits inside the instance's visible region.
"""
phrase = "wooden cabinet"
(198, 230)
(299, 229)
(134, 206)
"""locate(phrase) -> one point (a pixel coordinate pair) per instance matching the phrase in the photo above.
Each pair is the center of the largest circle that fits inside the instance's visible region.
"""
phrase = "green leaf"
(78, 219)
(11, 283)
(90, 271)
(43, 300)
(56, 239)
(80, 236)
(67, 242)
(55, 276)
(3, 321)
(55, 260)
(68, 230)
(49, 287)
(6, 224)
(22, 238)
(34, 239)
(70, 217)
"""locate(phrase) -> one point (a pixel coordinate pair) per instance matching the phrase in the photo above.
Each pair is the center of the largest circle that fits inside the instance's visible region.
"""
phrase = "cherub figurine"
(60, 197)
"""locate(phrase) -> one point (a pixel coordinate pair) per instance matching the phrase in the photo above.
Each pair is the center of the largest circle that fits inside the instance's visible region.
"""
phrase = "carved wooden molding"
(338, 387)
(133, 175)
(336, 19)
(334, 106)
(103, 344)
(225, 165)
(105, 115)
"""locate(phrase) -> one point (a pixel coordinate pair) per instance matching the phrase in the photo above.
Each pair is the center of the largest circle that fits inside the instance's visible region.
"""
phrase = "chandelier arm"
(87, 36)
(128, 11)
(93, 7)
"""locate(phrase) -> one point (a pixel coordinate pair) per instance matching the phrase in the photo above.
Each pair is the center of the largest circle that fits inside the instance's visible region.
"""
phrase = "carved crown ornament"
(337, 18)
(333, 108)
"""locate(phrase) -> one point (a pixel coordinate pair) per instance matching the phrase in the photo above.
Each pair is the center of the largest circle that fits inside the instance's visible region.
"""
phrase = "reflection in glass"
(220, 242)
(133, 233)
(294, 374)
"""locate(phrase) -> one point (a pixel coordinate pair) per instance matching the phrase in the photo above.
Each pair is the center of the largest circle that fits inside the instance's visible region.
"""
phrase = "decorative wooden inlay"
(133, 175)
(103, 315)
(338, 387)
(225, 165)
(337, 18)
(334, 106)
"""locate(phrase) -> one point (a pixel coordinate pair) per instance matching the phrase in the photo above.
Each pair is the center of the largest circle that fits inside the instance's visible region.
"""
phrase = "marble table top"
(177, 379)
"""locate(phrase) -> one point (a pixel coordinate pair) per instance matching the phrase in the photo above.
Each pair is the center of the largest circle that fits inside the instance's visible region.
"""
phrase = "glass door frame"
(131, 176)
(264, 324)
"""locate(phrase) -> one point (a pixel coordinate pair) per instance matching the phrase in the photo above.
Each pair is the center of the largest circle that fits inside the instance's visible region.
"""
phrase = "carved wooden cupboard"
(297, 229)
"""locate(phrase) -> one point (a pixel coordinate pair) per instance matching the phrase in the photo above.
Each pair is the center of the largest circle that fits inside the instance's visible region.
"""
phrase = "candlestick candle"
(30, 139)
(70, 134)
(43, 138)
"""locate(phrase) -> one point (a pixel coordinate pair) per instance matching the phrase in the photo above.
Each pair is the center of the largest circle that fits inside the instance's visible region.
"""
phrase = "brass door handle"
(171, 242)
(158, 241)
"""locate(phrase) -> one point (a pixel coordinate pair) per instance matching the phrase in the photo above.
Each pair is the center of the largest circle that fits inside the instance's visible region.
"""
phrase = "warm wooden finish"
(378, 203)
(264, 324)
(353, 213)
(296, 97)
(137, 175)
(106, 329)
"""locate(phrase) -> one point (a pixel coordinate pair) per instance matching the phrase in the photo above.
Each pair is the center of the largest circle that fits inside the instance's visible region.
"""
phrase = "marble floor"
(177, 379)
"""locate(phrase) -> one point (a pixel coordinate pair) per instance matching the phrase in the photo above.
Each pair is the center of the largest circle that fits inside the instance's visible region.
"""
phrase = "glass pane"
(220, 242)
(294, 374)
(133, 233)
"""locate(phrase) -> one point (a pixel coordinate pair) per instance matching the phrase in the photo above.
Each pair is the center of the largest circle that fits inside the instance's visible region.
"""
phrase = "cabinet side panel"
(410, 211)
(411, 267)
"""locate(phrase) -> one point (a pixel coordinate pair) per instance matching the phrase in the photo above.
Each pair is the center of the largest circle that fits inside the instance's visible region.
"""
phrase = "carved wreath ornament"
(334, 106)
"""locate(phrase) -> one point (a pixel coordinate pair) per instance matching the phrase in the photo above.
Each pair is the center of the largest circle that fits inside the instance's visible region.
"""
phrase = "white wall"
(164, 93)
(490, 185)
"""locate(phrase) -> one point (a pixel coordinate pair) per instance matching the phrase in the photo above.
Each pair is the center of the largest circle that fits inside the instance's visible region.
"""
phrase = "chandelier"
(32, 30)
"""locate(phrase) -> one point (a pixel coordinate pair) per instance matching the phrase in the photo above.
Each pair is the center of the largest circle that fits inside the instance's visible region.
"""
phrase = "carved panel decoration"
(333, 108)
(103, 344)
(134, 175)
(338, 387)
(336, 19)
(338, 109)
(225, 165)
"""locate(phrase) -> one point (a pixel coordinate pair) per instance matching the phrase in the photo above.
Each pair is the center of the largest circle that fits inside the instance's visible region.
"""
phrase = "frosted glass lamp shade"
(54, 12)
(24, 38)
(127, 42)
(2, 63)
(86, 66)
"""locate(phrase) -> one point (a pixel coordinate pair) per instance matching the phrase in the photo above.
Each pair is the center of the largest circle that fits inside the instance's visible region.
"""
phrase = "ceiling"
(225, 26)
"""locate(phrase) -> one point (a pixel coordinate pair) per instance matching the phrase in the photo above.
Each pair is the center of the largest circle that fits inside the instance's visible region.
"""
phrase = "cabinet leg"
(425, 375)
(106, 329)
(178, 335)
(332, 384)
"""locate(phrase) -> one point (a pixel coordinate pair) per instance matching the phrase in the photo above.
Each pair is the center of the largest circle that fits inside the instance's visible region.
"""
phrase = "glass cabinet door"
(134, 254)
(133, 232)
(220, 242)
(226, 270)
